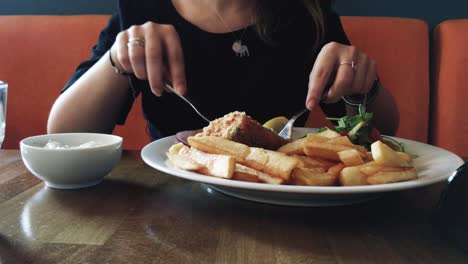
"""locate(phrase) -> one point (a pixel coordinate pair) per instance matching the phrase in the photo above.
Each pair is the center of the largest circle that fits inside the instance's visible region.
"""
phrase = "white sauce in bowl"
(57, 145)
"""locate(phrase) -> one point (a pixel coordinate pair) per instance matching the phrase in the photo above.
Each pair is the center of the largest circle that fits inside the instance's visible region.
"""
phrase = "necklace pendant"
(239, 49)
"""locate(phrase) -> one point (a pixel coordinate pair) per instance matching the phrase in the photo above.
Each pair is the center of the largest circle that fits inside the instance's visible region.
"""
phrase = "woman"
(264, 57)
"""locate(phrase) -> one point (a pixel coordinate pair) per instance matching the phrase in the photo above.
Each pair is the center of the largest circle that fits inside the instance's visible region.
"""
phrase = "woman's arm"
(355, 74)
(92, 104)
(352, 72)
(95, 102)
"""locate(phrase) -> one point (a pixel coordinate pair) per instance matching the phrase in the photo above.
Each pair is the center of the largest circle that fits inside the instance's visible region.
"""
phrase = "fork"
(168, 86)
(287, 129)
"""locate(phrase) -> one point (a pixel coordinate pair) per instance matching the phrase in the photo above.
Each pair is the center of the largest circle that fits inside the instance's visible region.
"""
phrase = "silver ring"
(136, 42)
(352, 64)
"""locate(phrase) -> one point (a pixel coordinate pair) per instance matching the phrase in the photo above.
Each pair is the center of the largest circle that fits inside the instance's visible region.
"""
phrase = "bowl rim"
(23, 142)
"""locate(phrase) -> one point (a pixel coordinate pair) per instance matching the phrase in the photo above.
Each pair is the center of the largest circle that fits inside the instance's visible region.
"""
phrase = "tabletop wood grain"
(140, 215)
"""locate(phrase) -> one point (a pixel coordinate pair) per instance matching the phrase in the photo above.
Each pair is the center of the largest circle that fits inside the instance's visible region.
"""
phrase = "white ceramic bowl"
(71, 167)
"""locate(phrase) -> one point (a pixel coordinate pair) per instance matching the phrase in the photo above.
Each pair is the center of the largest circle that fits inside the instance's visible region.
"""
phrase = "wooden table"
(139, 215)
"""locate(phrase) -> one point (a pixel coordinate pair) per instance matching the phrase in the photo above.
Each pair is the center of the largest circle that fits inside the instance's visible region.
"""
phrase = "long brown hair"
(274, 15)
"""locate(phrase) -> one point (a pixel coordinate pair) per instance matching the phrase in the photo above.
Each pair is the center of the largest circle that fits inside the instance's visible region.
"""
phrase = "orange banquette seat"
(38, 54)
(449, 128)
(400, 46)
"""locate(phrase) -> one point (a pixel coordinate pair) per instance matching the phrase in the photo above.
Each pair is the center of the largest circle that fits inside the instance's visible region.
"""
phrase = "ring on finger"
(136, 42)
(353, 64)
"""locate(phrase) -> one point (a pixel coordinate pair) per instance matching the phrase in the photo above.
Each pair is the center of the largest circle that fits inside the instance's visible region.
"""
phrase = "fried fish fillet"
(239, 127)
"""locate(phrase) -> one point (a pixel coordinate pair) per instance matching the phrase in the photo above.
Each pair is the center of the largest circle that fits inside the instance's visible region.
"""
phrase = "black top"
(271, 82)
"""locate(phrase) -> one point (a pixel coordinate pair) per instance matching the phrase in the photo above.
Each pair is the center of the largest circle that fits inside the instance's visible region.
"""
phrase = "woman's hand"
(152, 52)
(350, 71)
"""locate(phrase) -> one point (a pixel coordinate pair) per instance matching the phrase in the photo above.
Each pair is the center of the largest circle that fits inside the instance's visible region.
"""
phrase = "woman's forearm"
(92, 104)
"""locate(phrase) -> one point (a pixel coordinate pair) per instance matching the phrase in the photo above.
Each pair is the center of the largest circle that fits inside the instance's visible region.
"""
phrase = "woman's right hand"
(152, 52)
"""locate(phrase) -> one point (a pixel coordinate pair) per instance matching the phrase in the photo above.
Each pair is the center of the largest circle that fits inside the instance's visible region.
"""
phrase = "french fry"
(219, 145)
(311, 162)
(244, 173)
(324, 150)
(175, 149)
(328, 147)
(344, 140)
(335, 170)
(311, 171)
(294, 147)
(184, 162)
(270, 162)
(221, 166)
(352, 176)
(341, 140)
(312, 177)
(383, 177)
(328, 133)
(350, 157)
(405, 156)
(384, 155)
(370, 169)
(373, 169)
(369, 163)
(316, 138)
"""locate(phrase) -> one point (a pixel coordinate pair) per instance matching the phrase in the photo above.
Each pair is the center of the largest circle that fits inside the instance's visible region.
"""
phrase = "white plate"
(432, 165)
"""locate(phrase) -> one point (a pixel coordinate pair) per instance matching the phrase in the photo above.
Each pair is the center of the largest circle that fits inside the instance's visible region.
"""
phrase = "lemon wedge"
(276, 124)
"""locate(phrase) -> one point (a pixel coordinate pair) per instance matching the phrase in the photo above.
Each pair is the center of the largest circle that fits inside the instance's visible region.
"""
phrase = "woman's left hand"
(350, 70)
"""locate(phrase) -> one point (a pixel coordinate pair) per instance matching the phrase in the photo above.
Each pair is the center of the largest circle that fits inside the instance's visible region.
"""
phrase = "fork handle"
(187, 101)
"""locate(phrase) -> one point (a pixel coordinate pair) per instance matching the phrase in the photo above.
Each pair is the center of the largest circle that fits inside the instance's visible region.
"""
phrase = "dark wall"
(433, 11)
(60, 7)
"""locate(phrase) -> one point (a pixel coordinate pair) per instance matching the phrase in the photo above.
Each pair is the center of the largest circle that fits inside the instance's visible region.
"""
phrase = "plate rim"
(196, 177)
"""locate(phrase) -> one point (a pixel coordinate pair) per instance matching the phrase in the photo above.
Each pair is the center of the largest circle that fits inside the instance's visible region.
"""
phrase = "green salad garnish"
(360, 130)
